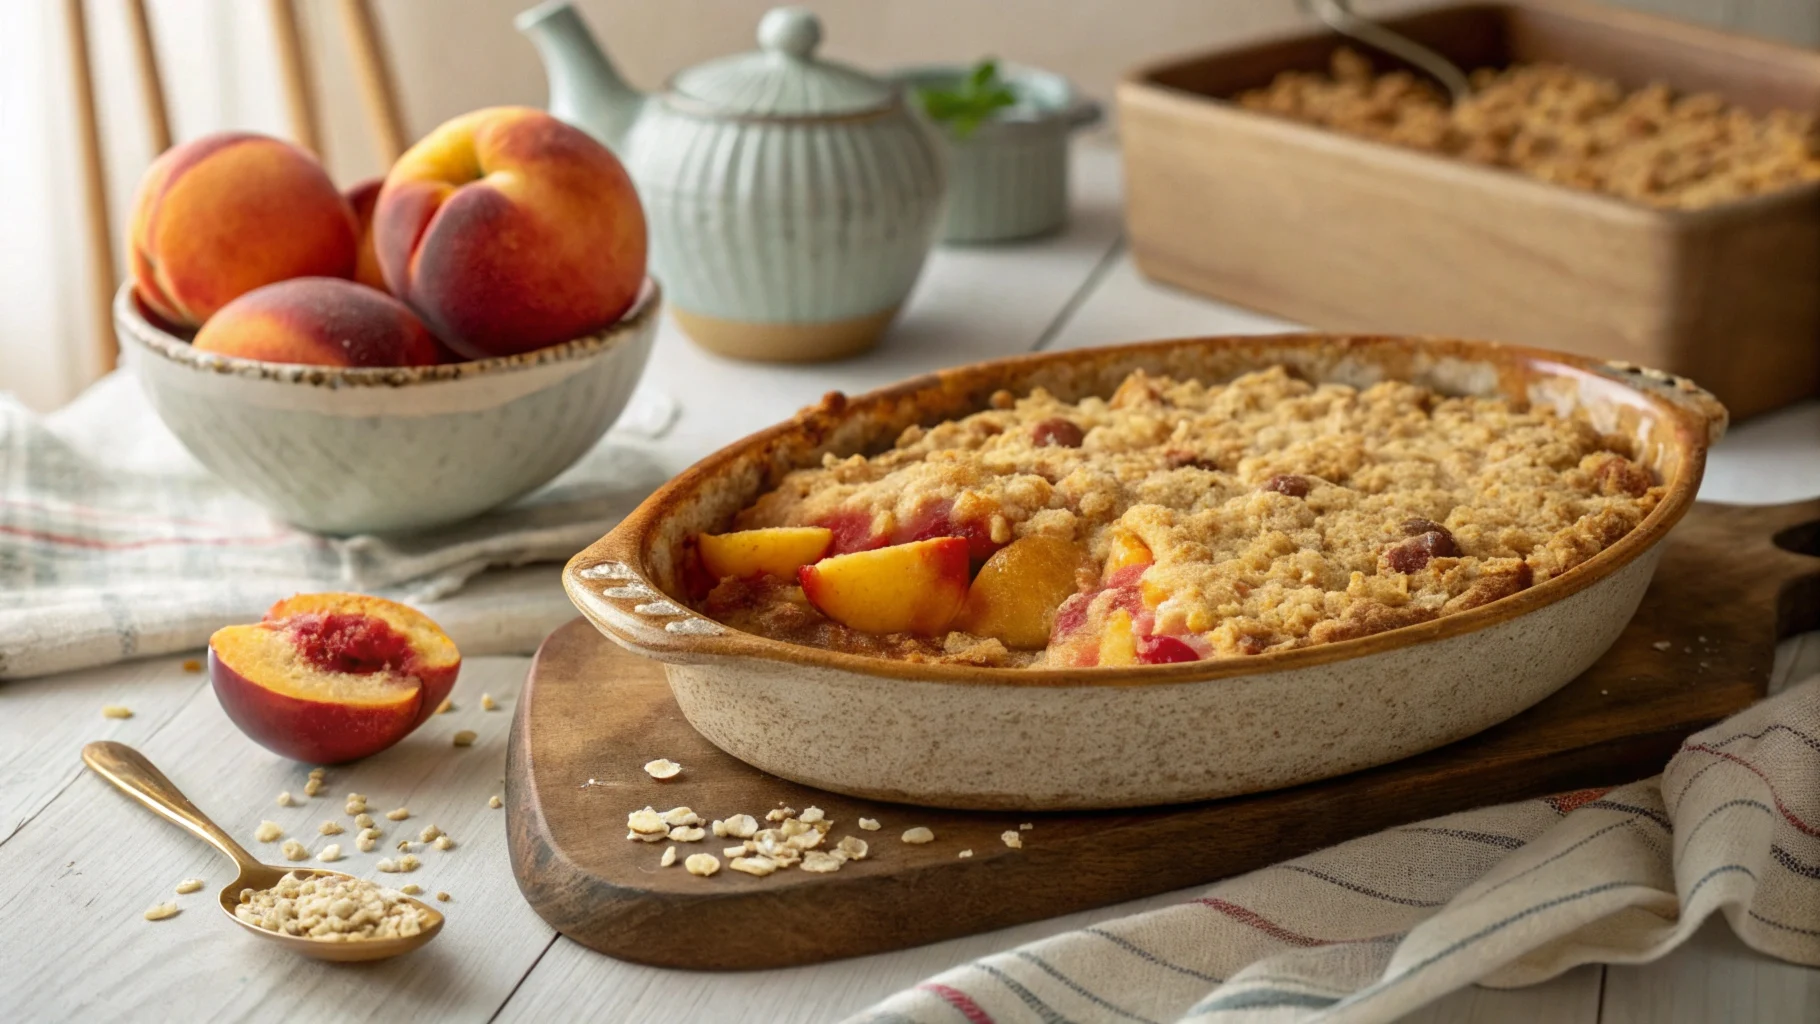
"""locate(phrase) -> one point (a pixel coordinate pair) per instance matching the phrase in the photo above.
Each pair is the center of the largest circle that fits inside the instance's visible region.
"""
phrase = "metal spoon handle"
(1339, 16)
(140, 779)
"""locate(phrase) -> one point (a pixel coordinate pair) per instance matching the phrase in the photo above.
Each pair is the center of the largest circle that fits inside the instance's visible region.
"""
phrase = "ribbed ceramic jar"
(791, 201)
(1008, 178)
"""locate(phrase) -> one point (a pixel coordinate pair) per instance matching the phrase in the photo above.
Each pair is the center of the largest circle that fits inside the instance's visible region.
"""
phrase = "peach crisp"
(1174, 521)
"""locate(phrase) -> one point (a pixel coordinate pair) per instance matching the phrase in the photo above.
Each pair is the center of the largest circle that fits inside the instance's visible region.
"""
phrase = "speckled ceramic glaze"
(956, 736)
(791, 200)
(379, 450)
(1008, 179)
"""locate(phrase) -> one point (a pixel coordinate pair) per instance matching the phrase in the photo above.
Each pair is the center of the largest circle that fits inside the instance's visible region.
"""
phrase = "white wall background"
(451, 56)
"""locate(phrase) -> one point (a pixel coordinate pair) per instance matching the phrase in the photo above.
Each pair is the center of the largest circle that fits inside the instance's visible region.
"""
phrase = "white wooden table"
(79, 863)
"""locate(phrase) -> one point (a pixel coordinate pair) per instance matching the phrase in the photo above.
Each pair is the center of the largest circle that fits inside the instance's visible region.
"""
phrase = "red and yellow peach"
(319, 321)
(222, 215)
(508, 230)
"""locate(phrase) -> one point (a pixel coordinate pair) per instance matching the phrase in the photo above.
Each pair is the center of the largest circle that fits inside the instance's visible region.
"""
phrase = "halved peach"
(327, 678)
(905, 588)
(1017, 592)
(777, 550)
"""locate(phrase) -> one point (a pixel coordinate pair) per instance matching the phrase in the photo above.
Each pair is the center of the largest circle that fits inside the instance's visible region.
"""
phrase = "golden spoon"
(127, 768)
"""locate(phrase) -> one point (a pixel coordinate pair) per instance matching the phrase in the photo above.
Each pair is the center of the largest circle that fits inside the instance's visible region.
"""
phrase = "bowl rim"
(132, 324)
(1694, 416)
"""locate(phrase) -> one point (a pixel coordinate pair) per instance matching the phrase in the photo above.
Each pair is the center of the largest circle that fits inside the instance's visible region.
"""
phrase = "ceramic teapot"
(791, 201)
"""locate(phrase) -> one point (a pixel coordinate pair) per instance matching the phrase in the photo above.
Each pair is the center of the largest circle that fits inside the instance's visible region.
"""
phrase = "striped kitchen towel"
(115, 543)
(1506, 896)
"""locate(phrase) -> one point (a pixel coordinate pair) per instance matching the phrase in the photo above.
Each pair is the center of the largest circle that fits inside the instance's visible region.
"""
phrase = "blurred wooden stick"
(94, 185)
(375, 79)
(151, 83)
(299, 97)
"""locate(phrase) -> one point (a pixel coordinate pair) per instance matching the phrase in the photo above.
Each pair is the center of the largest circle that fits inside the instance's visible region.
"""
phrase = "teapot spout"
(585, 89)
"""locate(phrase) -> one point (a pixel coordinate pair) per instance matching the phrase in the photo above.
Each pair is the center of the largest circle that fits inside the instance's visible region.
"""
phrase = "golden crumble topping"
(1177, 520)
(1563, 125)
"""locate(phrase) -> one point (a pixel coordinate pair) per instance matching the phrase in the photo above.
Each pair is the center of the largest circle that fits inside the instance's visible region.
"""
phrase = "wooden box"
(1343, 233)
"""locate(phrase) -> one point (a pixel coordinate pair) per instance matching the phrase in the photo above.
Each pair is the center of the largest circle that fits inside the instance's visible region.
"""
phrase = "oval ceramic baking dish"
(1036, 739)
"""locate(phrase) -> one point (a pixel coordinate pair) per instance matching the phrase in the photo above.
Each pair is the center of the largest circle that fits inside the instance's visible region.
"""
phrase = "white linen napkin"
(1505, 896)
(115, 543)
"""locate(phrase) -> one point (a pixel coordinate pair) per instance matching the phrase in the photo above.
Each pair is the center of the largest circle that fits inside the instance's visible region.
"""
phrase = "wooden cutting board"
(591, 715)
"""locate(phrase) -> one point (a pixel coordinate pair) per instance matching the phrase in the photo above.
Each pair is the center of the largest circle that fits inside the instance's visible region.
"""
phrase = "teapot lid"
(782, 78)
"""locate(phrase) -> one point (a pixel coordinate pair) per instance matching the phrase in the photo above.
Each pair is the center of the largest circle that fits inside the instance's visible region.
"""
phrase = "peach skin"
(326, 678)
(222, 215)
(362, 198)
(319, 321)
(508, 230)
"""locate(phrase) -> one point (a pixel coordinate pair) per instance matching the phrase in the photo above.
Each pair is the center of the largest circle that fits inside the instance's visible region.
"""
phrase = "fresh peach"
(362, 198)
(327, 678)
(777, 550)
(222, 215)
(1017, 591)
(904, 588)
(320, 321)
(508, 230)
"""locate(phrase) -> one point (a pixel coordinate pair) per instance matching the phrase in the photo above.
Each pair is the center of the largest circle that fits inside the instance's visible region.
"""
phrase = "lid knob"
(792, 31)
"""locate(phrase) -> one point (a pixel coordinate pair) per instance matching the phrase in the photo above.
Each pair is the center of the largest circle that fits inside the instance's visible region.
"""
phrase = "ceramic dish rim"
(1697, 419)
(174, 349)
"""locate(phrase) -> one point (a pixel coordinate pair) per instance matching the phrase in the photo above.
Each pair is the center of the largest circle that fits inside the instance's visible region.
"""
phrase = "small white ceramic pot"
(1008, 178)
(378, 450)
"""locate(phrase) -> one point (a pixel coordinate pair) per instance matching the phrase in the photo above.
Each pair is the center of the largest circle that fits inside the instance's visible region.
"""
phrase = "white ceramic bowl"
(378, 450)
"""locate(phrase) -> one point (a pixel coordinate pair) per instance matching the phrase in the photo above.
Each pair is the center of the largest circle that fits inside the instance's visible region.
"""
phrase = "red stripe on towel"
(1781, 807)
(960, 1001)
(1262, 923)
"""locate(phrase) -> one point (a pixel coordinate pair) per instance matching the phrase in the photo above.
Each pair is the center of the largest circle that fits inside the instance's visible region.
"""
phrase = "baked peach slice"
(905, 588)
(1017, 591)
(776, 550)
(327, 678)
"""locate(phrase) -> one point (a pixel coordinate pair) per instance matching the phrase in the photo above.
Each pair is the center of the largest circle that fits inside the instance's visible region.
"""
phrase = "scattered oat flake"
(1012, 839)
(811, 815)
(410, 889)
(188, 885)
(404, 845)
(681, 816)
(760, 866)
(662, 768)
(356, 807)
(399, 815)
(121, 711)
(742, 826)
(964, 854)
(852, 847)
(445, 707)
(869, 824)
(487, 703)
(318, 772)
(466, 738)
(817, 862)
(781, 813)
(330, 828)
(294, 850)
(1026, 826)
(442, 897)
(364, 844)
(735, 851)
(688, 833)
(387, 865)
(330, 853)
(363, 820)
(719, 827)
(646, 821)
(285, 799)
(160, 911)
(918, 835)
(192, 665)
(1662, 645)
(668, 858)
(495, 802)
(409, 863)
(312, 787)
(648, 837)
(268, 832)
(429, 833)
(703, 864)
(443, 842)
